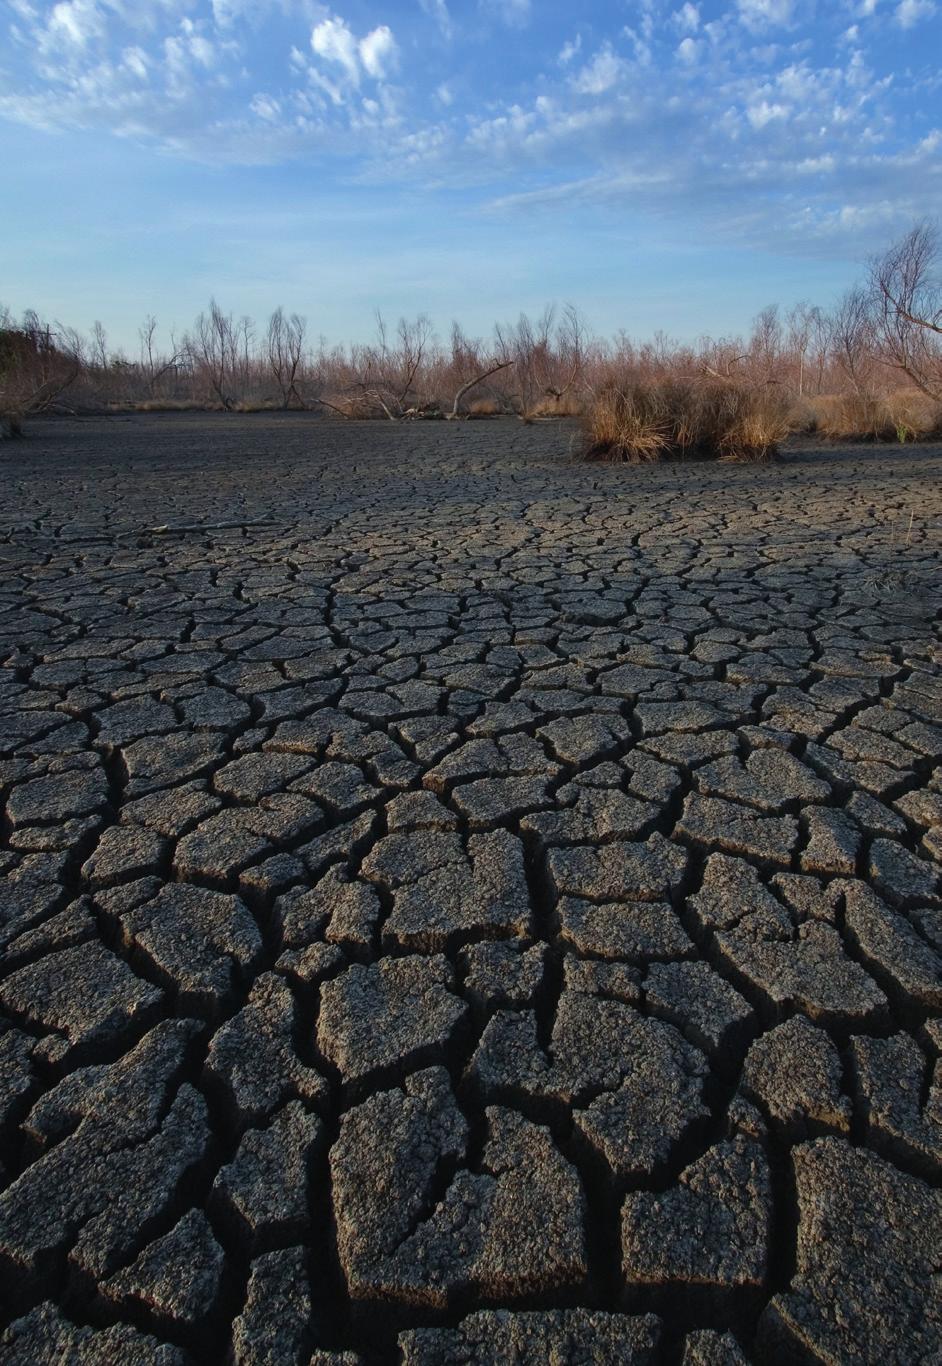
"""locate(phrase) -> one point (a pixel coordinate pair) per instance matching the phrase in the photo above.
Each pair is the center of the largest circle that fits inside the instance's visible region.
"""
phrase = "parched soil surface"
(462, 905)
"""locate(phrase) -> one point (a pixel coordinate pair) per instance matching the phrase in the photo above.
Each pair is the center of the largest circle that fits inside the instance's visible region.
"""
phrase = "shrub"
(650, 420)
(903, 416)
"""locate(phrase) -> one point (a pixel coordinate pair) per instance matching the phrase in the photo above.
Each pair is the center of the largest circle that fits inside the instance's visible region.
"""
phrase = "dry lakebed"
(463, 905)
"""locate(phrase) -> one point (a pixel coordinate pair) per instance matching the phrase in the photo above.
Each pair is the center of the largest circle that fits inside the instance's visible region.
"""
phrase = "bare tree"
(467, 359)
(802, 342)
(906, 293)
(154, 366)
(527, 344)
(765, 346)
(820, 347)
(147, 334)
(718, 359)
(98, 356)
(851, 328)
(388, 370)
(244, 355)
(286, 353)
(214, 351)
(571, 341)
(37, 364)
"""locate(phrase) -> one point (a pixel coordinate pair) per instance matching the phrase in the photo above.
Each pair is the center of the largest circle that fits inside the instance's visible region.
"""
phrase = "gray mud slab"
(459, 905)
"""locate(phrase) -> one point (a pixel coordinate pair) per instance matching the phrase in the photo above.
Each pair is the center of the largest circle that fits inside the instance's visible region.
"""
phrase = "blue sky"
(661, 165)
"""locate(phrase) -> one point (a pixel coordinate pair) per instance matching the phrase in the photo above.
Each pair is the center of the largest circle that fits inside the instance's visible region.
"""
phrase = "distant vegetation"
(870, 368)
(37, 364)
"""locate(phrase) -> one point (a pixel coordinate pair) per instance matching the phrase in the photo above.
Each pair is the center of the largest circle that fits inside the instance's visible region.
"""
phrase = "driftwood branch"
(478, 379)
(332, 406)
(170, 528)
(716, 374)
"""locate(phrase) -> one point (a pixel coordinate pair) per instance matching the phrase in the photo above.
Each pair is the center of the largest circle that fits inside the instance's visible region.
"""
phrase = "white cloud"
(909, 12)
(265, 107)
(799, 83)
(226, 12)
(817, 165)
(229, 14)
(763, 113)
(75, 23)
(175, 59)
(438, 10)
(600, 74)
(376, 54)
(202, 51)
(135, 60)
(759, 14)
(332, 40)
(687, 19)
(641, 42)
(379, 53)
(754, 122)
(513, 13)
(516, 11)
(493, 135)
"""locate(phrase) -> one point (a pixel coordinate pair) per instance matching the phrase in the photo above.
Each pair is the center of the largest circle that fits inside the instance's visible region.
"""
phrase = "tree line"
(881, 339)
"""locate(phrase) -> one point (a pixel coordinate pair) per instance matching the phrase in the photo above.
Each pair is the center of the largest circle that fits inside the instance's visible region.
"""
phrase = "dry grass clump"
(175, 405)
(629, 422)
(904, 416)
(562, 405)
(484, 407)
(650, 420)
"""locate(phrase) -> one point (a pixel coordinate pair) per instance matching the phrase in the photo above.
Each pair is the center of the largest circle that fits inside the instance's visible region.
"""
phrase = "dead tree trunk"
(478, 379)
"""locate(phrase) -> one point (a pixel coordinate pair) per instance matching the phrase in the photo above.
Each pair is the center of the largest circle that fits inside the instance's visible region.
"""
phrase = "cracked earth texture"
(464, 906)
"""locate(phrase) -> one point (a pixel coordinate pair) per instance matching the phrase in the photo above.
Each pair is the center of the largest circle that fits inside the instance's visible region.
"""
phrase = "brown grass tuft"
(904, 416)
(566, 405)
(630, 423)
(176, 405)
(484, 407)
(650, 420)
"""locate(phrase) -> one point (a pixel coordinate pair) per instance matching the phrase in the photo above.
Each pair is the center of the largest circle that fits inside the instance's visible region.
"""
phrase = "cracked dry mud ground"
(463, 906)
